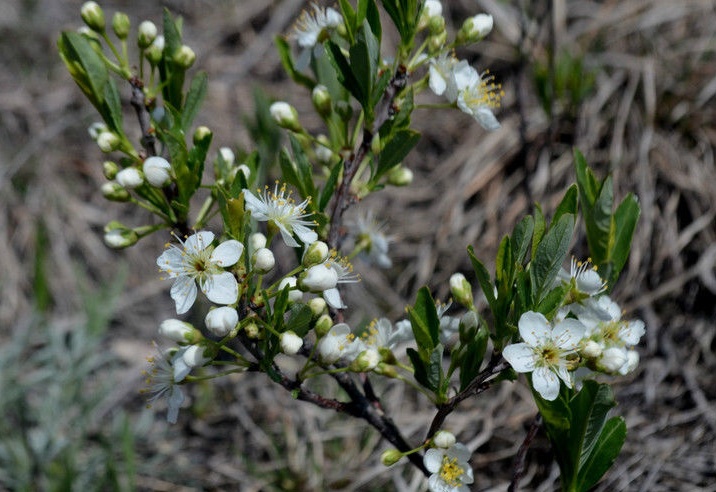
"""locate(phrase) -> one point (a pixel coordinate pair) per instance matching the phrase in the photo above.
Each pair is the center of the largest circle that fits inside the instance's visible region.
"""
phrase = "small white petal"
(306, 235)
(333, 298)
(183, 292)
(171, 261)
(568, 333)
(222, 288)
(437, 81)
(198, 242)
(433, 460)
(546, 383)
(534, 328)
(486, 118)
(174, 401)
(520, 356)
(227, 253)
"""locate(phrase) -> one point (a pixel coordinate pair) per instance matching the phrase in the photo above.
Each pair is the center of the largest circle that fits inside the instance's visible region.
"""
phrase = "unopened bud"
(613, 359)
(294, 295)
(400, 176)
(321, 100)
(184, 57)
(323, 325)
(344, 110)
(390, 457)
(93, 16)
(120, 25)
(252, 331)
(263, 260)
(115, 192)
(120, 238)
(592, 350)
(444, 439)
(436, 42)
(431, 8)
(179, 331)
(461, 290)
(227, 155)
(318, 306)
(130, 178)
(290, 343)
(631, 362)
(257, 241)
(475, 28)
(156, 50)
(316, 252)
(196, 356)
(469, 325)
(386, 370)
(324, 154)
(285, 116)
(221, 321)
(147, 34)
(156, 171)
(202, 133)
(436, 25)
(110, 169)
(318, 278)
(366, 361)
(107, 141)
(96, 128)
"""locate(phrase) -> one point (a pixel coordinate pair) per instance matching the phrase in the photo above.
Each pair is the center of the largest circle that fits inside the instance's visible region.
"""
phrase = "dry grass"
(650, 121)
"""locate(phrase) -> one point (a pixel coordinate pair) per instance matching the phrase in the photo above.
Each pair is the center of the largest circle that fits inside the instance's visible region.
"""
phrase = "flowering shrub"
(558, 327)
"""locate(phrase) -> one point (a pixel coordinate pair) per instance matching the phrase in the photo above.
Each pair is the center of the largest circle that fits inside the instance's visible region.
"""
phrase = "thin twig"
(139, 103)
(518, 470)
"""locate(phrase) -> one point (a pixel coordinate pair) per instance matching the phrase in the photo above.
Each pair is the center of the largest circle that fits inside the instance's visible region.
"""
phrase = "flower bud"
(321, 100)
(290, 343)
(115, 192)
(120, 25)
(315, 253)
(444, 439)
(195, 356)
(96, 128)
(221, 320)
(93, 16)
(436, 26)
(469, 327)
(431, 8)
(147, 34)
(400, 176)
(285, 116)
(263, 260)
(184, 57)
(227, 155)
(436, 42)
(107, 141)
(130, 178)
(475, 28)
(318, 306)
(461, 290)
(323, 325)
(201, 134)
(324, 154)
(390, 457)
(243, 169)
(110, 169)
(318, 278)
(120, 238)
(387, 370)
(631, 362)
(294, 295)
(178, 331)
(156, 171)
(592, 350)
(344, 110)
(155, 51)
(257, 241)
(613, 359)
(252, 331)
(366, 361)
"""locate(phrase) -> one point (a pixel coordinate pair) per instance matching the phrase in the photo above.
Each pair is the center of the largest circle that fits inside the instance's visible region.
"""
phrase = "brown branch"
(518, 470)
(139, 104)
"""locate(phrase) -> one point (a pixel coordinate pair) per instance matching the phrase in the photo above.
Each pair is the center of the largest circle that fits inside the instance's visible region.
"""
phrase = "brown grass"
(650, 121)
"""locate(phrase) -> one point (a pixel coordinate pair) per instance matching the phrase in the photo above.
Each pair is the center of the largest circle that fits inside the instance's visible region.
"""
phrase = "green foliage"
(563, 79)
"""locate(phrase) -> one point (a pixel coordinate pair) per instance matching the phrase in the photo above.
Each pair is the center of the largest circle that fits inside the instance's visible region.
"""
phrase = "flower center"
(549, 355)
(487, 93)
(451, 471)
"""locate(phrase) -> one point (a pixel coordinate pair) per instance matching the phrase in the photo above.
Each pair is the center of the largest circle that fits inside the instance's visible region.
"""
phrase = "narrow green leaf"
(521, 238)
(113, 104)
(420, 369)
(473, 356)
(299, 319)
(349, 17)
(435, 370)
(344, 71)
(395, 151)
(588, 188)
(289, 169)
(483, 278)
(568, 205)
(550, 255)
(330, 186)
(284, 53)
(304, 171)
(504, 266)
(424, 320)
(604, 453)
(172, 76)
(624, 224)
(364, 57)
(86, 67)
(540, 228)
(194, 99)
(372, 15)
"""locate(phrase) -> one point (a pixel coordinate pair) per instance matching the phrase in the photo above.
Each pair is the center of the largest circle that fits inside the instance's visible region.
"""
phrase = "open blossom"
(310, 28)
(479, 97)
(339, 343)
(345, 275)
(449, 468)
(281, 210)
(369, 236)
(545, 351)
(196, 261)
(585, 277)
(162, 382)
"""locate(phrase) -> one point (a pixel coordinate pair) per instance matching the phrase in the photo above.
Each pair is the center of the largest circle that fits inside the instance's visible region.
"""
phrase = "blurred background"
(631, 83)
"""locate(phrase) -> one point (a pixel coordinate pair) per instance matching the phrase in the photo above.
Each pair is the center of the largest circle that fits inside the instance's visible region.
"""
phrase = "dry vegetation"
(649, 119)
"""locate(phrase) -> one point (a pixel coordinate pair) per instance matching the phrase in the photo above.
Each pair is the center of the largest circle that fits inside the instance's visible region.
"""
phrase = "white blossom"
(478, 97)
(156, 170)
(339, 343)
(449, 468)
(309, 29)
(220, 321)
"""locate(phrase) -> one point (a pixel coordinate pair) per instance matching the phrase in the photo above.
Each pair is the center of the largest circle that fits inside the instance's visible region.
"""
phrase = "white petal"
(227, 253)
(254, 205)
(484, 116)
(174, 401)
(287, 237)
(333, 298)
(221, 288)
(632, 332)
(534, 328)
(306, 235)
(564, 375)
(546, 383)
(171, 261)
(433, 460)
(520, 356)
(460, 452)
(198, 242)
(568, 333)
(437, 81)
(183, 292)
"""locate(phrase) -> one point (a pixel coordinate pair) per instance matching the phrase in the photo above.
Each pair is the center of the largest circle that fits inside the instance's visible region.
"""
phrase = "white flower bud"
(294, 295)
(263, 260)
(120, 238)
(176, 330)
(317, 305)
(110, 169)
(592, 350)
(156, 170)
(324, 154)
(155, 50)
(221, 320)
(315, 253)
(243, 169)
(257, 241)
(107, 141)
(461, 289)
(321, 100)
(285, 116)
(323, 325)
(290, 343)
(444, 439)
(184, 57)
(201, 134)
(194, 356)
(93, 16)
(96, 128)
(400, 176)
(475, 28)
(130, 178)
(366, 361)
(318, 278)
(115, 192)
(147, 34)
(227, 155)
(613, 359)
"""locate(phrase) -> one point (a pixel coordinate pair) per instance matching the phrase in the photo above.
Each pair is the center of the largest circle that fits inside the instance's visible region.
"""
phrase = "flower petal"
(174, 401)
(306, 235)
(287, 237)
(227, 253)
(433, 459)
(546, 383)
(171, 261)
(333, 298)
(183, 292)
(221, 288)
(485, 117)
(520, 356)
(198, 242)
(534, 328)
(632, 332)
(568, 333)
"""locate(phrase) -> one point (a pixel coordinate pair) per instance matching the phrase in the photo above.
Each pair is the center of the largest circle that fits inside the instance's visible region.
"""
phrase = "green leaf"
(172, 75)
(304, 170)
(349, 17)
(194, 99)
(86, 67)
(420, 369)
(483, 278)
(550, 255)
(473, 356)
(372, 15)
(395, 151)
(435, 371)
(345, 72)
(552, 300)
(521, 238)
(603, 455)
(330, 186)
(568, 205)
(284, 53)
(624, 222)
(540, 228)
(364, 58)
(299, 319)
(113, 104)
(504, 264)
(424, 320)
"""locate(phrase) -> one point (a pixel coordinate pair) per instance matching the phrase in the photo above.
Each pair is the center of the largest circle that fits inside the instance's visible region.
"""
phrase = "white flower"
(339, 343)
(382, 334)
(263, 260)
(613, 359)
(602, 317)
(586, 279)
(309, 29)
(220, 321)
(227, 155)
(450, 469)
(318, 278)
(156, 170)
(369, 236)
(161, 381)
(631, 362)
(478, 97)
(449, 325)
(290, 342)
(344, 272)
(440, 72)
(176, 330)
(294, 295)
(477, 27)
(129, 178)
(280, 209)
(196, 259)
(545, 351)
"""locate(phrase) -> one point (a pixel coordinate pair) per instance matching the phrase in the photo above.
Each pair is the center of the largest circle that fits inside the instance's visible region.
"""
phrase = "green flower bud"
(120, 25)
(316, 252)
(118, 236)
(390, 457)
(366, 361)
(110, 169)
(474, 29)
(202, 133)
(147, 34)
(461, 290)
(400, 176)
(436, 25)
(155, 51)
(252, 330)
(285, 116)
(469, 326)
(115, 192)
(321, 100)
(323, 325)
(436, 42)
(387, 370)
(93, 16)
(184, 57)
(108, 141)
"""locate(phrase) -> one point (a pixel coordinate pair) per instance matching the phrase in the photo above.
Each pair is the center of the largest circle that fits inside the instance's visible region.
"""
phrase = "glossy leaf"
(550, 255)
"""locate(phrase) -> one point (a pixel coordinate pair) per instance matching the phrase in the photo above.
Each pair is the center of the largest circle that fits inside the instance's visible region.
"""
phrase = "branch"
(139, 104)
(518, 470)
